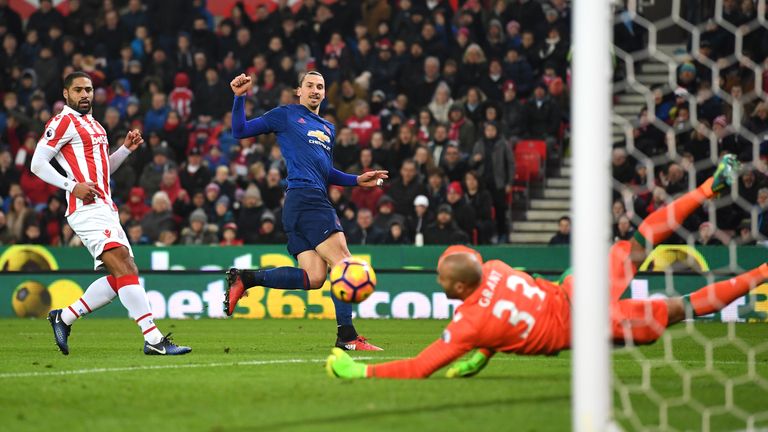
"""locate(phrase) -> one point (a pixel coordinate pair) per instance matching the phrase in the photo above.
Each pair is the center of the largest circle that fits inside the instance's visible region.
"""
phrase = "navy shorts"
(308, 219)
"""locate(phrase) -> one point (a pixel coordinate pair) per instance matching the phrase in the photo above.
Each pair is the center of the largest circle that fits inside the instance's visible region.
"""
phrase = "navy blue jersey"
(306, 141)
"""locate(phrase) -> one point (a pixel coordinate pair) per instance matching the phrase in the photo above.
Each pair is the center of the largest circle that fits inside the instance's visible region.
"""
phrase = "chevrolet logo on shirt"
(320, 135)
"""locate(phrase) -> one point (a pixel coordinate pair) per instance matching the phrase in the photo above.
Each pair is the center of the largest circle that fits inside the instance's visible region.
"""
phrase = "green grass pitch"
(268, 375)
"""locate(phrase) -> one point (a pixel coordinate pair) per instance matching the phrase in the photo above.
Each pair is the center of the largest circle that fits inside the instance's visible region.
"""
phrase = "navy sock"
(343, 312)
(280, 278)
(346, 333)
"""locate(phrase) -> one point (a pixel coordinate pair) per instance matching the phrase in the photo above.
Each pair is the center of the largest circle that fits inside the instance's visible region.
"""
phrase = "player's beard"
(82, 109)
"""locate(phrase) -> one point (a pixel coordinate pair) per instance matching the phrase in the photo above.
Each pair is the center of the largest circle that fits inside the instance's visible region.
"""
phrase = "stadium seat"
(532, 146)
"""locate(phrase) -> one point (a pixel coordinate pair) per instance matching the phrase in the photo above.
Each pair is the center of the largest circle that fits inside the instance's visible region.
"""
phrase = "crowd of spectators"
(716, 108)
(434, 94)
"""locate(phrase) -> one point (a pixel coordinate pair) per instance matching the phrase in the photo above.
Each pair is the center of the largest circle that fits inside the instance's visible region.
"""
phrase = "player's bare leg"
(333, 250)
(120, 264)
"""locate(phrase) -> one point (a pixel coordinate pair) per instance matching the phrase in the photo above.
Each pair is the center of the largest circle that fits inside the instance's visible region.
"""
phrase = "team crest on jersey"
(108, 233)
(301, 120)
(327, 129)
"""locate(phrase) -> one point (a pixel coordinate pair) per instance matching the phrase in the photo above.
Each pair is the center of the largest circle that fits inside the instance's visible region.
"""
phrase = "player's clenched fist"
(241, 84)
(133, 140)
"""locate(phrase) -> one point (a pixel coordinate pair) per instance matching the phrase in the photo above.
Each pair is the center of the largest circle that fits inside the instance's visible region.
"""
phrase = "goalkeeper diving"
(509, 311)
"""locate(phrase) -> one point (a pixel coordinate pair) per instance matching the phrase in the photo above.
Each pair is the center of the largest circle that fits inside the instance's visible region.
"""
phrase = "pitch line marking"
(179, 366)
(10, 375)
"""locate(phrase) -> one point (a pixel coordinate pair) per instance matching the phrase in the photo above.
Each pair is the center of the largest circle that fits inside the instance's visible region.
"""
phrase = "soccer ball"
(31, 299)
(352, 280)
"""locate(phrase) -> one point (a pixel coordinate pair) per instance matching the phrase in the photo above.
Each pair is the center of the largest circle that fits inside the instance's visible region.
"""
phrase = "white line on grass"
(9, 375)
(172, 366)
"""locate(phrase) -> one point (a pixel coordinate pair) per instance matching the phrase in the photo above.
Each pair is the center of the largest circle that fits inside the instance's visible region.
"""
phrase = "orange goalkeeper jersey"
(509, 312)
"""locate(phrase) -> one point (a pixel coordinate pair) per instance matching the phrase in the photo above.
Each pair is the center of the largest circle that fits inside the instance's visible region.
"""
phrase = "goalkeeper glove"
(469, 367)
(341, 365)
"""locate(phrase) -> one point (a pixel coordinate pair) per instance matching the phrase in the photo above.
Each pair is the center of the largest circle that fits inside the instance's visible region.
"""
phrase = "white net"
(690, 85)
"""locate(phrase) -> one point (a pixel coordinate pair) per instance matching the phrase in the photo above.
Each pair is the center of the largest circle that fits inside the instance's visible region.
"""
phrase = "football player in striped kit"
(79, 144)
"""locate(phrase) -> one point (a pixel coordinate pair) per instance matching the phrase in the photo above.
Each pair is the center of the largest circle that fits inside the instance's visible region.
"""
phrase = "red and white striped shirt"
(83, 151)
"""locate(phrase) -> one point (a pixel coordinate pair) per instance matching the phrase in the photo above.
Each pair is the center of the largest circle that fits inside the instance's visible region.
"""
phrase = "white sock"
(134, 298)
(99, 293)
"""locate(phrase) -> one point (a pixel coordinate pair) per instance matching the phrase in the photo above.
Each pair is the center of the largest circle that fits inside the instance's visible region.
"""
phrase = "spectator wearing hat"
(542, 117)
(495, 165)
(194, 175)
(159, 218)
(421, 218)
(462, 130)
(386, 213)
(481, 202)
(249, 216)
(212, 194)
(268, 230)
(152, 174)
(444, 230)
(365, 232)
(687, 77)
(396, 233)
(384, 70)
(176, 135)
(514, 113)
(199, 231)
(441, 102)
(222, 213)
(462, 213)
(137, 203)
(229, 236)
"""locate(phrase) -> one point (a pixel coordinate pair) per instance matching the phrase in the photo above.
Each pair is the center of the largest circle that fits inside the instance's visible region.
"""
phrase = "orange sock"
(718, 295)
(661, 223)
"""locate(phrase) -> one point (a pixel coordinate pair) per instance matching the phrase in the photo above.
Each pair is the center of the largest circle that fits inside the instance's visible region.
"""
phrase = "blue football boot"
(165, 347)
(60, 330)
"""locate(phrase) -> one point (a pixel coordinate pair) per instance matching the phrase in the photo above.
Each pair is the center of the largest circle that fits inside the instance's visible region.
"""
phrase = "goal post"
(591, 148)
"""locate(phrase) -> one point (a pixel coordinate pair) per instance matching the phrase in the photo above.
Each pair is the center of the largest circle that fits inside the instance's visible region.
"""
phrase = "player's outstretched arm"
(435, 356)
(471, 366)
(133, 140)
(240, 127)
(370, 178)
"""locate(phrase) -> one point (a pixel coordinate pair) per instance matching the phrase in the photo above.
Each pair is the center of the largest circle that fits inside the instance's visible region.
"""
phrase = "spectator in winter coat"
(199, 231)
(444, 229)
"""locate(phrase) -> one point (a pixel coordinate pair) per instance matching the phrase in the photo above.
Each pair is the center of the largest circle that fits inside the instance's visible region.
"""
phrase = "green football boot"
(726, 173)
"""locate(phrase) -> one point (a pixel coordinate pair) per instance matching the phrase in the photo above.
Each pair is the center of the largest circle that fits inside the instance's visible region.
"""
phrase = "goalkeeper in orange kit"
(509, 311)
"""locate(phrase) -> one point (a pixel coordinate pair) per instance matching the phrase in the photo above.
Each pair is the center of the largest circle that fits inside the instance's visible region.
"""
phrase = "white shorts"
(98, 226)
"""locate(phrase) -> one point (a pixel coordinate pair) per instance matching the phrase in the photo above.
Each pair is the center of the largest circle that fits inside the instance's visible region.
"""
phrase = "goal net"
(690, 84)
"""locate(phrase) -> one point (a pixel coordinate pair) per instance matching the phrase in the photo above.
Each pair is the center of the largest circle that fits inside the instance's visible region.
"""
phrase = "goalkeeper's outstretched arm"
(434, 357)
